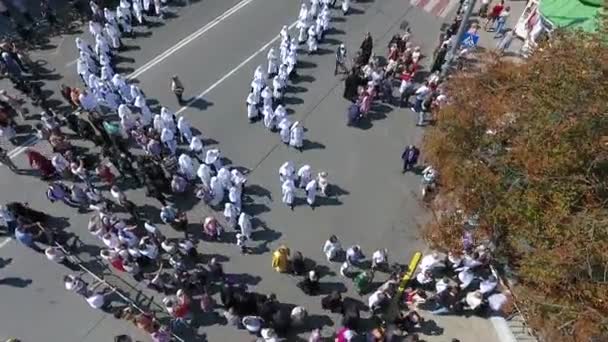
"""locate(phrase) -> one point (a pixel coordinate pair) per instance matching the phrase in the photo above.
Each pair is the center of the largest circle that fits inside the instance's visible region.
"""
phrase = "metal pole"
(456, 44)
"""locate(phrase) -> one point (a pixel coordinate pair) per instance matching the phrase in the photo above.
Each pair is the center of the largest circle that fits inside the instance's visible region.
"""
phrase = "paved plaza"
(214, 46)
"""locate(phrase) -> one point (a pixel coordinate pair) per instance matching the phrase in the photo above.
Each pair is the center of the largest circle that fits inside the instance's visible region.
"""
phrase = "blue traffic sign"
(469, 40)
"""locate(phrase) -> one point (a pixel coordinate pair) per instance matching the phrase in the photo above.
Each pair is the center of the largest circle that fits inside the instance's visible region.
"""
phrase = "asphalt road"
(375, 205)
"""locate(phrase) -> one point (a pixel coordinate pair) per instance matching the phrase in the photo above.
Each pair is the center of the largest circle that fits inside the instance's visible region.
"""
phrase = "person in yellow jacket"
(280, 259)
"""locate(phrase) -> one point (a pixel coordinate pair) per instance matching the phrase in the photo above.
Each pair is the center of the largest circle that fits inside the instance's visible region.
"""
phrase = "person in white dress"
(235, 193)
(204, 174)
(277, 88)
(122, 88)
(323, 182)
(287, 172)
(245, 225)
(304, 175)
(252, 107)
(284, 129)
(267, 98)
(168, 119)
(302, 26)
(270, 121)
(144, 110)
(223, 174)
(231, 213)
(288, 192)
(139, 12)
(345, 6)
(217, 191)
(168, 138)
(114, 36)
(183, 125)
(186, 167)
(311, 193)
(296, 136)
(312, 39)
(273, 66)
(213, 159)
(331, 248)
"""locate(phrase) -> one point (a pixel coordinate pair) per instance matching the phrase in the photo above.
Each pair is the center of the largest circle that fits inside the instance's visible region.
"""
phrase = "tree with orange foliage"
(524, 148)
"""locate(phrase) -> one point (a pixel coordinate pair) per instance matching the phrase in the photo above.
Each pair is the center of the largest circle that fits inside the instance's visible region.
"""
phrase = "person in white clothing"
(345, 6)
(267, 98)
(231, 213)
(304, 175)
(322, 182)
(286, 172)
(380, 259)
(245, 225)
(168, 138)
(277, 88)
(285, 130)
(196, 148)
(186, 168)
(311, 193)
(114, 36)
(183, 125)
(252, 107)
(303, 12)
(95, 28)
(312, 39)
(135, 91)
(168, 119)
(270, 119)
(204, 174)
(332, 247)
(235, 193)
(217, 191)
(273, 67)
(288, 191)
(144, 110)
(302, 26)
(296, 136)
(213, 159)
(158, 123)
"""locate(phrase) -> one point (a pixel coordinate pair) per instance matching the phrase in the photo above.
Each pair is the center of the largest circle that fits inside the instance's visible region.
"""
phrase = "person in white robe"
(292, 60)
(101, 47)
(345, 6)
(235, 194)
(138, 11)
(168, 138)
(108, 97)
(144, 110)
(168, 119)
(183, 125)
(285, 130)
(186, 167)
(277, 88)
(95, 28)
(288, 192)
(88, 61)
(231, 213)
(314, 8)
(113, 36)
(332, 247)
(84, 46)
(237, 178)
(258, 74)
(122, 88)
(196, 148)
(270, 121)
(123, 110)
(135, 91)
(146, 5)
(322, 182)
(106, 74)
(284, 33)
(312, 39)
(217, 191)
(204, 174)
(283, 50)
(287, 171)
(325, 19)
(303, 12)
(252, 107)
(83, 70)
(159, 9)
(212, 158)
(245, 225)
(223, 174)
(283, 73)
(123, 14)
(273, 67)
(311, 193)
(110, 17)
(267, 97)
(296, 136)
(319, 29)
(127, 123)
(158, 123)
(304, 175)
(302, 26)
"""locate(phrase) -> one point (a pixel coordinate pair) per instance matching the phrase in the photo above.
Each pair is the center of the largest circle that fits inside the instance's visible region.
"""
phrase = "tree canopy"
(524, 148)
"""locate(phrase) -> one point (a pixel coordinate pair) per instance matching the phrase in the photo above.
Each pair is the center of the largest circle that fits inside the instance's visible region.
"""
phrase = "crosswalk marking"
(439, 8)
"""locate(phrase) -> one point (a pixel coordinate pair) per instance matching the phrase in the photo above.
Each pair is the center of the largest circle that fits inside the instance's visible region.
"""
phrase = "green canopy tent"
(572, 14)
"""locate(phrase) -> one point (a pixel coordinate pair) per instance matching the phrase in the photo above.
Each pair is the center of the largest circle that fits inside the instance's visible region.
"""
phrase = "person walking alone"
(341, 60)
(177, 88)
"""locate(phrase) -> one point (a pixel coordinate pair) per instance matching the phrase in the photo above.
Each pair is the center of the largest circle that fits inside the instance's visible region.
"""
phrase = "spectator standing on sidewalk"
(501, 22)
(493, 17)
(177, 88)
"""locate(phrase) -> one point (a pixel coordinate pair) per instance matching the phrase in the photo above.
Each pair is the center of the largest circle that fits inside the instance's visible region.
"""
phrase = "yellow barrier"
(410, 272)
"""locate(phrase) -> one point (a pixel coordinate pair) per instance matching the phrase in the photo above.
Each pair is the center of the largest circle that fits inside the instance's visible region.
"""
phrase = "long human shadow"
(312, 145)
(16, 282)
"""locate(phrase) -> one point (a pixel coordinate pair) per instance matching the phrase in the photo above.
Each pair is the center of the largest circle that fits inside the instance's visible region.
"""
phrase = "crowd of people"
(175, 163)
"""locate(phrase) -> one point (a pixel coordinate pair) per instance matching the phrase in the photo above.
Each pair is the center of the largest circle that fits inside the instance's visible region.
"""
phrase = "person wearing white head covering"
(277, 88)
(245, 225)
(186, 167)
(204, 174)
(322, 182)
(110, 17)
(284, 130)
(158, 123)
(296, 136)
(123, 110)
(135, 91)
(224, 176)
(113, 34)
(168, 138)
(101, 46)
(108, 97)
(144, 110)
(128, 123)
(283, 50)
(122, 88)
(311, 193)
(83, 70)
(314, 8)
(237, 178)
(183, 125)
(105, 60)
(312, 40)
(258, 75)
(284, 33)
(303, 12)
(168, 119)
(283, 74)
(319, 33)
(252, 107)
(235, 193)
(270, 121)
(345, 6)
(231, 213)
(273, 67)
(196, 148)
(212, 158)
(217, 191)
(139, 12)
(123, 14)
(286, 172)
(95, 28)
(292, 60)
(287, 191)
(106, 74)
(304, 175)
(267, 97)
(302, 26)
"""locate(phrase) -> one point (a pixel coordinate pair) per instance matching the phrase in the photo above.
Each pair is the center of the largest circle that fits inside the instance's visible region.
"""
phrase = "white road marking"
(18, 150)
(231, 72)
(5, 242)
